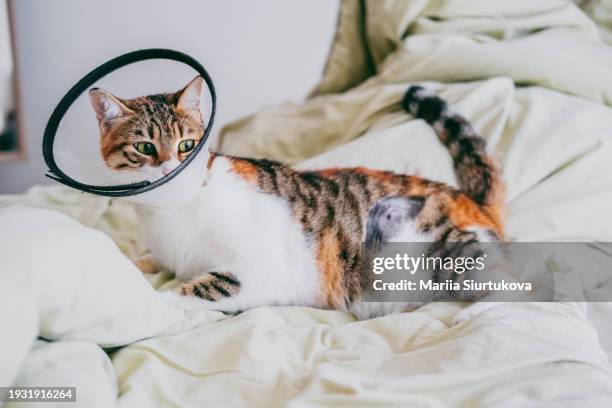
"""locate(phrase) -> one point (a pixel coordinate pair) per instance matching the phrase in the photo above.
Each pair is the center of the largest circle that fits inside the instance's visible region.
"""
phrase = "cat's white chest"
(232, 228)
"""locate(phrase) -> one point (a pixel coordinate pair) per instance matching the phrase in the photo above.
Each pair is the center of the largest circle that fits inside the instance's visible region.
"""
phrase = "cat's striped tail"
(476, 172)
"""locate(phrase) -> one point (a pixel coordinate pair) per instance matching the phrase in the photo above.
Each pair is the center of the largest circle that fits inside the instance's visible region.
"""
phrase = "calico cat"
(262, 233)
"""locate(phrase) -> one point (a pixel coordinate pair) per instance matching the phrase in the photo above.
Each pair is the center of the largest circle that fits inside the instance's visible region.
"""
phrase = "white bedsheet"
(511, 355)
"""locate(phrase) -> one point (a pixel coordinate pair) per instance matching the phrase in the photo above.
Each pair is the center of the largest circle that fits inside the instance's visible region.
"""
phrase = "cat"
(261, 233)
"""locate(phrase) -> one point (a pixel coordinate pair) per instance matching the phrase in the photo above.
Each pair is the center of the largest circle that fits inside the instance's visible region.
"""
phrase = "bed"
(535, 78)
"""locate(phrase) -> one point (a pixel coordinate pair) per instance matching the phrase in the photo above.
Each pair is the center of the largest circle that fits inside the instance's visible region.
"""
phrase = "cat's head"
(151, 134)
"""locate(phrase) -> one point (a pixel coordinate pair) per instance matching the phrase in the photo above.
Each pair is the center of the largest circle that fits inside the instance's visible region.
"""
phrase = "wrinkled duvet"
(534, 77)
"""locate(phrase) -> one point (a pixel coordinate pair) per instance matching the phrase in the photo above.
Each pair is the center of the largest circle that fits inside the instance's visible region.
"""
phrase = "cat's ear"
(107, 107)
(189, 97)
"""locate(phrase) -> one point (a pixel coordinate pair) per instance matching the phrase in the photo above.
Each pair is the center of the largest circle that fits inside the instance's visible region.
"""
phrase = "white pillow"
(62, 280)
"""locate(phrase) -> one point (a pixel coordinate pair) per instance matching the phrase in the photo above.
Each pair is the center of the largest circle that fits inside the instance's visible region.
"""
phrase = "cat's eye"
(145, 148)
(186, 146)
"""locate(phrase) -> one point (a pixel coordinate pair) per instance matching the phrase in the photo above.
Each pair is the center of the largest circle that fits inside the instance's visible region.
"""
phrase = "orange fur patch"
(418, 186)
(211, 159)
(245, 170)
(329, 172)
(381, 176)
(464, 213)
(331, 269)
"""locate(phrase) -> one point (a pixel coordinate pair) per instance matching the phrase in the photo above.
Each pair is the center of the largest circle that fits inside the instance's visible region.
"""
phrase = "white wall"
(259, 53)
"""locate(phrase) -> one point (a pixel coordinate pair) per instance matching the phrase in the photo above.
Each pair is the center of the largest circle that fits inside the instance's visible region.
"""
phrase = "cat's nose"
(168, 166)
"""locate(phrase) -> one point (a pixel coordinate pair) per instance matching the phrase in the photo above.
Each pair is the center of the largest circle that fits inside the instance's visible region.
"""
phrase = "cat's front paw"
(213, 286)
(183, 302)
